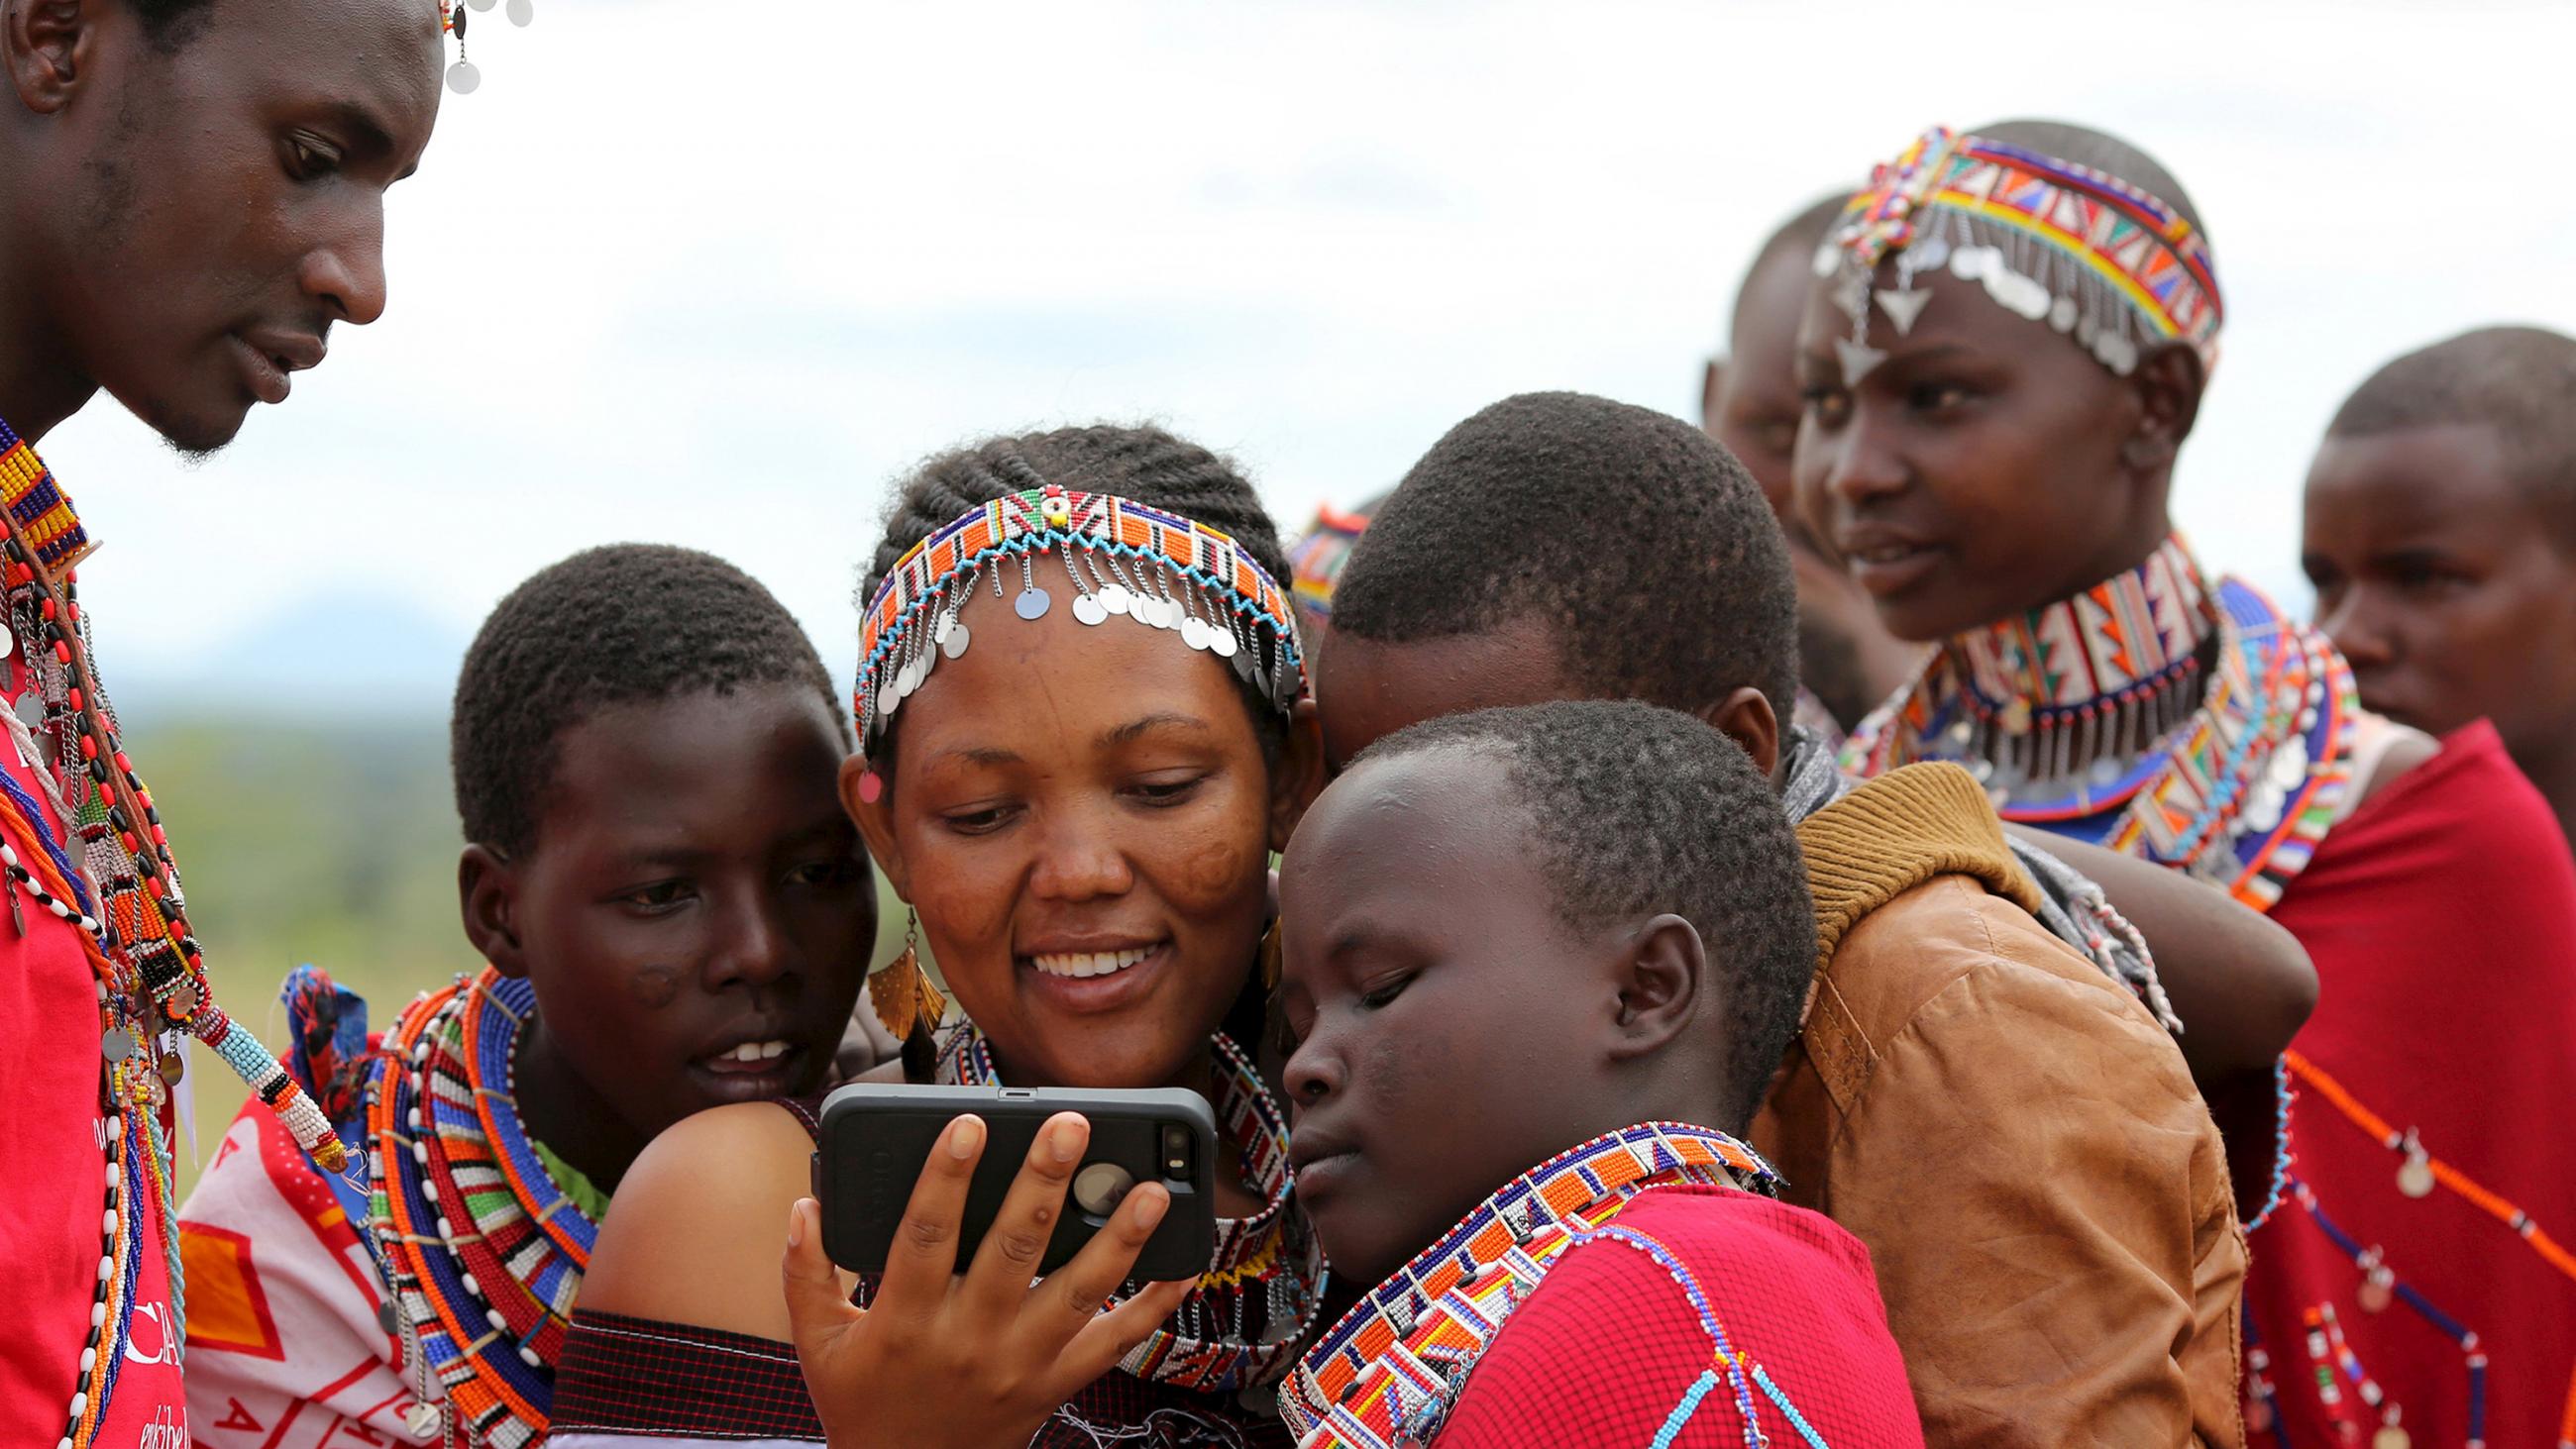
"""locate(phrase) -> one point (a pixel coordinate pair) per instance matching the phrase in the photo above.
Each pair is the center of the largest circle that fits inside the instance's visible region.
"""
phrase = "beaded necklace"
(2419, 1174)
(1388, 1374)
(121, 891)
(1240, 1328)
(481, 1248)
(2090, 718)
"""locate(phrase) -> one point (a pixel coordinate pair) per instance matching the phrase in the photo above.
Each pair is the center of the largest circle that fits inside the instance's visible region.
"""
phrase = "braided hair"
(1143, 463)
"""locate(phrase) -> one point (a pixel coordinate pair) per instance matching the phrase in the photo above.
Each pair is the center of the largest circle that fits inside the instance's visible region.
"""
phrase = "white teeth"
(1089, 963)
(755, 1051)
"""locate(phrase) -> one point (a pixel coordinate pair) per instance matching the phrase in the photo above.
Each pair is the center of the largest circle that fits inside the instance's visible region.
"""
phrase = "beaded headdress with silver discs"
(1122, 559)
(2099, 260)
(464, 77)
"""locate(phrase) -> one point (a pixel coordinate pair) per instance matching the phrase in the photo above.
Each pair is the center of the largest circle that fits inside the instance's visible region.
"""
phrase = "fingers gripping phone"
(877, 1136)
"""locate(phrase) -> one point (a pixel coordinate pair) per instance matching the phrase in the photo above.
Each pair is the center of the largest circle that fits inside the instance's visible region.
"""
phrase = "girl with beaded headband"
(1083, 729)
(2007, 342)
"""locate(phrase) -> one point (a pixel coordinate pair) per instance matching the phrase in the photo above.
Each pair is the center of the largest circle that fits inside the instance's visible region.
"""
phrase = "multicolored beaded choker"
(120, 890)
(2093, 718)
(1259, 1298)
(1387, 1375)
(482, 1249)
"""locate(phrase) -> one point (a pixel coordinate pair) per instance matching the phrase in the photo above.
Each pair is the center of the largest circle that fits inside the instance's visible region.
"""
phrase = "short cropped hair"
(1643, 545)
(171, 25)
(628, 623)
(2515, 381)
(1636, 811)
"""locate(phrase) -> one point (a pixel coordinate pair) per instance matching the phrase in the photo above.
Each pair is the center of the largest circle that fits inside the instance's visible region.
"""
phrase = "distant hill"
(342, 655)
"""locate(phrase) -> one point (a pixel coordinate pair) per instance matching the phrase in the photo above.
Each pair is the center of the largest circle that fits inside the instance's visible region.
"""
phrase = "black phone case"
(877, 1135)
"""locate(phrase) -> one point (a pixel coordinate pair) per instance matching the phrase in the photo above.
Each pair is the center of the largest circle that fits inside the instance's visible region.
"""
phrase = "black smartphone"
(877, 1135)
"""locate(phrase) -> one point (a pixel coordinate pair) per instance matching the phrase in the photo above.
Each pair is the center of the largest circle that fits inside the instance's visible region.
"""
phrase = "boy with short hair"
(2441, 537)
(1556, 546)
(676, 914)
(1612, 889)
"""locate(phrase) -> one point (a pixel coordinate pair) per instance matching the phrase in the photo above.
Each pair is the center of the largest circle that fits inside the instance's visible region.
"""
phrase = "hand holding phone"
(978, 1359)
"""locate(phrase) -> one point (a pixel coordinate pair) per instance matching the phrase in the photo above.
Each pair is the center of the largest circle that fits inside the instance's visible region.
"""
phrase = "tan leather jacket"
(2015, 1138)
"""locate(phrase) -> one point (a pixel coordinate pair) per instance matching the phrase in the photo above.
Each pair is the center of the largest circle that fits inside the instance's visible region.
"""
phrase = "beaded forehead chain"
(2094, 257)
(1123, 558)
(464, 77)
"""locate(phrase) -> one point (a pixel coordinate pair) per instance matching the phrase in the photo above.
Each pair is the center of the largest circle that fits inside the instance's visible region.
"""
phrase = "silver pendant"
(31, 708)
(422, 1419)
(1859, 359)
(1116, 599)
(1088, 610)
(1032, 603)
(1223, 642)
(1903, 307)
(957, 639)
(1195, 634)
(2415, 1179)
(117, 1044)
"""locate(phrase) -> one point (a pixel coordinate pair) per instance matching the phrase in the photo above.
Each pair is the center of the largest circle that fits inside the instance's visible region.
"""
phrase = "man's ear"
(1712, 381)
(875, 819)
(47, 45)
(487, 894)
(1300, 775)
(1660, 979)
(2169, 384)
(1746, 717)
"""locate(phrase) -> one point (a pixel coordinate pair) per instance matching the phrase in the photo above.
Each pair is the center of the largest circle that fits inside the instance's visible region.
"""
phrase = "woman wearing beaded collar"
(2000, 498)
(1083, 730)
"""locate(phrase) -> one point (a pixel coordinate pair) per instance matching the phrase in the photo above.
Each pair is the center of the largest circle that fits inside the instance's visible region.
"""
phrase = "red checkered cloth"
(1611, 1351)
(646, 1379)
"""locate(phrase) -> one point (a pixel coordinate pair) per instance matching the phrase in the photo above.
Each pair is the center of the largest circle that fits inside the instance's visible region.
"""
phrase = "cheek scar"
(653, 986)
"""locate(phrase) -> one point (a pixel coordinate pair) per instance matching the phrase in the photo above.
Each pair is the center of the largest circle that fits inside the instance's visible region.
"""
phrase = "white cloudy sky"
(714, 273)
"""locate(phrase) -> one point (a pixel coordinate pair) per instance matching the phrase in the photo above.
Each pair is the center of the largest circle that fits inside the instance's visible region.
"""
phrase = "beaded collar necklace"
(2092, 719)
(482, 1249)
(1390, 1371)
(120, 890)
(1241, 1327)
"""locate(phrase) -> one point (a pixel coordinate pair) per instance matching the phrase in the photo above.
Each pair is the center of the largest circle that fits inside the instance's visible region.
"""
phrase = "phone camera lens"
(1177, 1155)
(1100, 1187)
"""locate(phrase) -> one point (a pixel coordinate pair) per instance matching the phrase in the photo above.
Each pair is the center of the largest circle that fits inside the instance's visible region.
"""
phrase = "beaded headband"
(464, 77)
(2093, 256)
(1124, 558)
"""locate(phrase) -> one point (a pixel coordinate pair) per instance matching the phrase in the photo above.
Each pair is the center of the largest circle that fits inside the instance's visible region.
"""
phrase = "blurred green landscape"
(332, 842)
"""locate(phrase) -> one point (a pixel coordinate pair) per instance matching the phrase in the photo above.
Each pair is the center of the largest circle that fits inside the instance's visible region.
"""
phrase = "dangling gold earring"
(902, 993)
(1270, 957)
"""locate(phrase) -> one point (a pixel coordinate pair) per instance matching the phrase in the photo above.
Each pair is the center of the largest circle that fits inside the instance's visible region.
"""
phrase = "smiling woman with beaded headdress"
(1083, 729)
(2006, 346)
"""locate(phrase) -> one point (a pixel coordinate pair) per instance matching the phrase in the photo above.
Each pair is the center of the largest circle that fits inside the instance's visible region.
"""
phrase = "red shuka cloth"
(2442, 920)
(53, 1188)
(1608, 1347)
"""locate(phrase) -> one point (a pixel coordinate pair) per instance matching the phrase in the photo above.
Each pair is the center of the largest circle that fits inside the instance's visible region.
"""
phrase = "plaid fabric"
(639, 1376)
(646, 1379)
(1611, 1349)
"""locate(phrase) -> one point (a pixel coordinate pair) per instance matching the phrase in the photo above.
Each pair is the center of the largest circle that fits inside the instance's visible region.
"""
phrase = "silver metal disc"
(1089, 610)
(957, 640)
(1223, 642)
(1032, 603)
(1116, 599)
(116, 1044)
(1195, 634)
(31, 708)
